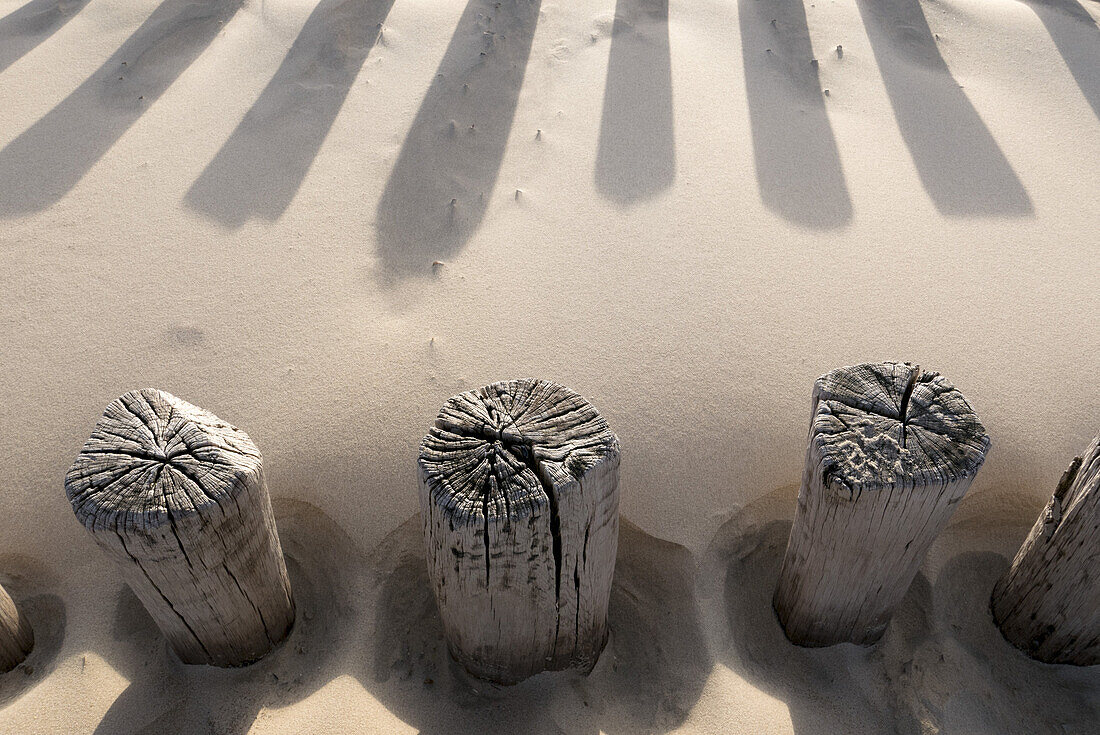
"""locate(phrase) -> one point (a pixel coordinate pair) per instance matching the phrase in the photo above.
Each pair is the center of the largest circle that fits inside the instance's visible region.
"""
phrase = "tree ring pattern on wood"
(178, 498)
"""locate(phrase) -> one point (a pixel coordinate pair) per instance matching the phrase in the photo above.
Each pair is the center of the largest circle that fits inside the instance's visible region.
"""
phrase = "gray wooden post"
(519, 495)
(16, 636)
(891, 452)
(1048, 604)
(177, 498)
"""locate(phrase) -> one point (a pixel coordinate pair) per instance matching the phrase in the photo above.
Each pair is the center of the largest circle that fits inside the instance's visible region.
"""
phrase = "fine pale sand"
(264, 208)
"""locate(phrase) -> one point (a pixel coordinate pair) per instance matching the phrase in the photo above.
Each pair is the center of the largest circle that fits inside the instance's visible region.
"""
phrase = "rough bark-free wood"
(1048, 604)
(16, 636)
(892, 450)
(519, 495)
(177, 498)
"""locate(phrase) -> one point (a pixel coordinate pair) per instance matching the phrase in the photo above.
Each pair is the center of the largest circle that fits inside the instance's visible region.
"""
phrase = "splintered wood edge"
(153, 457)
(883, 425)
(1043, 603)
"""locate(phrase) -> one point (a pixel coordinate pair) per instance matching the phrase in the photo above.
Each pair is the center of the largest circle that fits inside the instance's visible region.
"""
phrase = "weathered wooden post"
(16, 636)
(1048, 604)
(177, 498)
(891, 452)
(519, 495)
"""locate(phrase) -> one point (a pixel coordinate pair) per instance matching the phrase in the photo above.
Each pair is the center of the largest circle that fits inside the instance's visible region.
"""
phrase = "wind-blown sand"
(249, 204)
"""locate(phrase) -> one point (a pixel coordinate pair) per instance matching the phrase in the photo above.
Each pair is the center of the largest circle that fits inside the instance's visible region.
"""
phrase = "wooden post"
(16, 636)
(177, 498)
(1048, 603)
(519, 495)
(891, 452)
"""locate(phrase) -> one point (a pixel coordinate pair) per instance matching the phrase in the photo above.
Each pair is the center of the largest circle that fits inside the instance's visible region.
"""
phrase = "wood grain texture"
(1048, 603)
(16, 636)
(519, 495)
(892, 450)
(177, 498)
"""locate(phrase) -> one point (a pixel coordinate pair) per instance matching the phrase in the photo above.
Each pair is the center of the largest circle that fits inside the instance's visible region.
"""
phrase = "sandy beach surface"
(321, 220)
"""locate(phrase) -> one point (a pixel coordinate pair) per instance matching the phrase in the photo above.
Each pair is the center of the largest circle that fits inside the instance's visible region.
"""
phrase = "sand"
(249, 204)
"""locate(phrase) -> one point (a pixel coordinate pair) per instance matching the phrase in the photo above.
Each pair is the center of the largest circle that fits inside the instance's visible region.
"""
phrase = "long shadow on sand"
(958, 162)
(22, 30)
(1077, 37)
(797, 164)
(440, 186)
(48, 159)
(942, 665)
(636, 157)
(260, 168)
(168, 697)
(30, 586)
(647, 679)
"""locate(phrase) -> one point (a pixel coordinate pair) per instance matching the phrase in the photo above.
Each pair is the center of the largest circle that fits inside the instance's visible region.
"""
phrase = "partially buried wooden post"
(891, 452)
(16, 636)
(519, 494)
(177, 498)
(1048, 604)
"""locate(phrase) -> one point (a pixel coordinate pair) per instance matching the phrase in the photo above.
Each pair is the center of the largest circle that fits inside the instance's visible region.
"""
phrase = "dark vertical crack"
(904, 410)
(267, 631)
(175, 533)
(555, 536)
(526, 454)
(523, 450)
(485, 515)
(577, 621)
(486, 491)
(165, 598)
(584, 548)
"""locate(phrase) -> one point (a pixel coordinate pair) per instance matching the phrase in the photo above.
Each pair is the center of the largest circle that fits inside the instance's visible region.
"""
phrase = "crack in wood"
(152, 485)
(522, 449)
(903, 410)
(871, 503)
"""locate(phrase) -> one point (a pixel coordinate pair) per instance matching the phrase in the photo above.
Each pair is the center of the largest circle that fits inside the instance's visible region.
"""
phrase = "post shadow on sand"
(837, 689)
(1077, 36)
(647, 678)
(941, 664)
(797, 164)
(166, 697)
(958, 162)
(30, 586)
(259, 169)
(48, 159)
(968, 679)
(23, 29)
(440, 185)
(636, 156)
